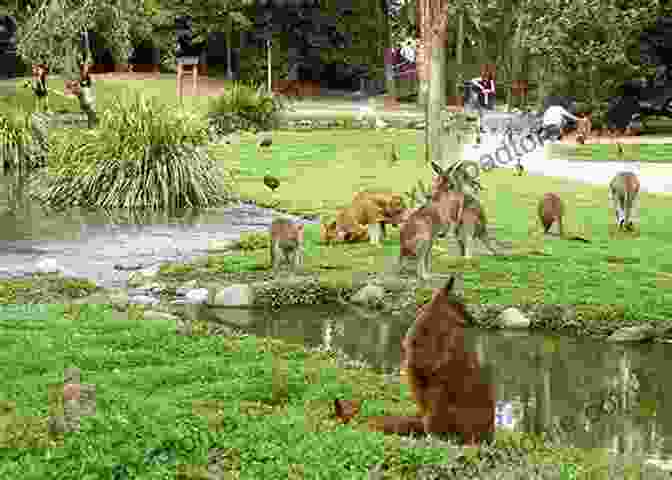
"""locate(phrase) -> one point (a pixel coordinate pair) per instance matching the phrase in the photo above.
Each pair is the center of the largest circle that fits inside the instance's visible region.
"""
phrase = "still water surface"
(591, 394)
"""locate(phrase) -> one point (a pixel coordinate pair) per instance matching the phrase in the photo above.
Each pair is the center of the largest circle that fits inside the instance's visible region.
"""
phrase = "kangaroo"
(369, 211)
(417, 234)
(623, 191)
(551, 209)
(446, 381)
(473, 225)
(286, 243)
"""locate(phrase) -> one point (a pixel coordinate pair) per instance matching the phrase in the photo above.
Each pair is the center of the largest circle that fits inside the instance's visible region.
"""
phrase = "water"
(106, 247)
(585, 392)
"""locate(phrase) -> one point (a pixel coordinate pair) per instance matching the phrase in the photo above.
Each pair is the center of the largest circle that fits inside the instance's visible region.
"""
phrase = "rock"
(639, 333)
(156, 315)
(369, 294)
(141, 276)
(144, 300)
(197, 295)
(48, 265)
(127, 266)
(238, 295)
(392, 284)
(513, 318)
(221, 245)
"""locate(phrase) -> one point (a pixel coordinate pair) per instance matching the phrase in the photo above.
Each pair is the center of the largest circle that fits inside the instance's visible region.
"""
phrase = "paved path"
(654, 177)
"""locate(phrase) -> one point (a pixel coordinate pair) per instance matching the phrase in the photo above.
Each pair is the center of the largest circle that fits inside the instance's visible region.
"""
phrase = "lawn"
(596, 152)
(320, 171)
(164, 403)
(274, 399)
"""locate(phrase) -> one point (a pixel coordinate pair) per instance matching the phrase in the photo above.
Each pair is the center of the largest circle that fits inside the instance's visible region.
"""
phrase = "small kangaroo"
(446, 381)
(623, 191)
(286, 243)
(551, 209)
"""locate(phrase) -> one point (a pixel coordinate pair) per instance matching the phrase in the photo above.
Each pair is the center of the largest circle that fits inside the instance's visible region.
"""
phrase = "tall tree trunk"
(459, 55)
(390, 81)
(229, 71)
(436, 96)
(422, 52)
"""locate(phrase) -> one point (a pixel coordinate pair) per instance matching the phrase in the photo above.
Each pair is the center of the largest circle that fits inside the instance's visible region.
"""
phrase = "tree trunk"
(459, 55)
(229, 71)
(390, 82)
(422, 53)
(436, 95)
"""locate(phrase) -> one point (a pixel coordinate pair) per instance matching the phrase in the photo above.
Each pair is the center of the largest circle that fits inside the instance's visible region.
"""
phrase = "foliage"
(142, 155)
(231, 264)
(15, 138)
(51, 35)
(254, 105)
(253, 241)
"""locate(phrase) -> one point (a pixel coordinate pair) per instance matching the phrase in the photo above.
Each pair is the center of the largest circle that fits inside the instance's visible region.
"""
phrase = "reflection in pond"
(587, 393)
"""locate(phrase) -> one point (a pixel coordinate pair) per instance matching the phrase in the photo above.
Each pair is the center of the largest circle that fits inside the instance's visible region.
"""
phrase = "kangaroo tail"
(397, 425)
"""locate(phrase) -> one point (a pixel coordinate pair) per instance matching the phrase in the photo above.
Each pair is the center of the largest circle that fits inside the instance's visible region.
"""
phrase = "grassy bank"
(253, 408)
(595, 152)
(319, 171)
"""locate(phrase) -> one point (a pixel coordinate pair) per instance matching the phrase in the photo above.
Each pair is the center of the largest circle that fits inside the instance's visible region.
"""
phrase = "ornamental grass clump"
(253, 107)
(142, 155)
(16, 141)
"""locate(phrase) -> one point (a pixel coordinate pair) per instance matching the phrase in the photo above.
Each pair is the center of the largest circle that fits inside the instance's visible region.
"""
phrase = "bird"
(270, 181)
(394, 156)
(265, 140)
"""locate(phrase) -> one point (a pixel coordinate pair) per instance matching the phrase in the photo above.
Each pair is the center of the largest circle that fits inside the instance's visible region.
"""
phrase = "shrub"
(254, 241)
(253, 107)
(16, 143)
(142, 155)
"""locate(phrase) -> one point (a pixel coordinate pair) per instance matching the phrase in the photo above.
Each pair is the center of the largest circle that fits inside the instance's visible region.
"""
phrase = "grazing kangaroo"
(623, 191)
(369, 211)
(446, 381)
(286, 243)
(550, 210)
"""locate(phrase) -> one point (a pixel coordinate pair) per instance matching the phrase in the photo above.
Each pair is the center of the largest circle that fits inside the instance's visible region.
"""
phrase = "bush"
(16, 141)
(253, 107)
(142, 155)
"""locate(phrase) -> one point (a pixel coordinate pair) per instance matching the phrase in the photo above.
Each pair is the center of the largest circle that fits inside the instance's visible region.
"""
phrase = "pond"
(588, 393)
(106, 246)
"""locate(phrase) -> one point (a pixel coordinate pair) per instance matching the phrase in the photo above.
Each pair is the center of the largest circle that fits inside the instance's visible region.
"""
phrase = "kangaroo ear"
(449, 285)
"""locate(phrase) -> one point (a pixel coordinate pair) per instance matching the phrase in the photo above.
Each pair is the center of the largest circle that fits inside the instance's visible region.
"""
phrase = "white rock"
(513, 318)
(197, 295)
(238, 295)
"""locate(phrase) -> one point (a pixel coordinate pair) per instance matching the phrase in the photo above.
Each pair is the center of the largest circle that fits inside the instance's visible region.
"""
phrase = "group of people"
(81, 88)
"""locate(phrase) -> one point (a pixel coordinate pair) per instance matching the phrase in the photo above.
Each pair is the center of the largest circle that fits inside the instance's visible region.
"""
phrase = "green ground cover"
(164, 402)
(596, 152)
(147, 378)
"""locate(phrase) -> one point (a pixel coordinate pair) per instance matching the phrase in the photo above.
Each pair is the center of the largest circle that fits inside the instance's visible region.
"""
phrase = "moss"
(254, 241)
(176, 269)
(299, 291)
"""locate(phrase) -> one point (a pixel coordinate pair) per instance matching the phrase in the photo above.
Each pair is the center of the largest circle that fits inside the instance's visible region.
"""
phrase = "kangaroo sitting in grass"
(286, 243)
(551, 210)
(446, 381)
(623, 191)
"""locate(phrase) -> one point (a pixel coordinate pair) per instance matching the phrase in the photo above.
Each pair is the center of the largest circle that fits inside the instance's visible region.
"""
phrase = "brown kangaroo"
(445, 381)
(551, 209)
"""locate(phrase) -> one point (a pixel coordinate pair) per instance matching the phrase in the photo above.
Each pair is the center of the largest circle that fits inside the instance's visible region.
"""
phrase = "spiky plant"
(142, 155)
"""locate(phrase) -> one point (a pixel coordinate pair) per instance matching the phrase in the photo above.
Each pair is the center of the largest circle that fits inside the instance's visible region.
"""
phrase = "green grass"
(651, 153)
(613, 270)
(162, 401)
